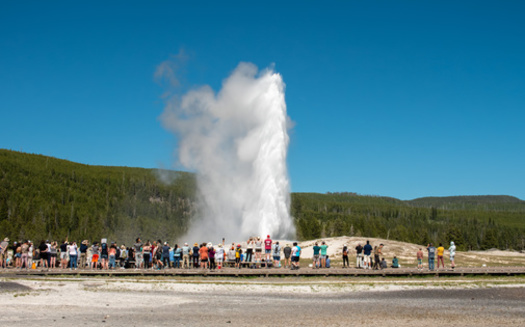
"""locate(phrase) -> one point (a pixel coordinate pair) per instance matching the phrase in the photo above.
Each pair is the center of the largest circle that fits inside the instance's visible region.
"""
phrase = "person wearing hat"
(3, 252)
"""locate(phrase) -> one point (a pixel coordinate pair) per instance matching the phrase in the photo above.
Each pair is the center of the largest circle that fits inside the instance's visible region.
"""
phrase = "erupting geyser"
(236, 141)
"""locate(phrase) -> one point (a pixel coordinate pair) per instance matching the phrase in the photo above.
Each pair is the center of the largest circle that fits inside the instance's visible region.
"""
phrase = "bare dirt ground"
(261, 302)
(406, 252)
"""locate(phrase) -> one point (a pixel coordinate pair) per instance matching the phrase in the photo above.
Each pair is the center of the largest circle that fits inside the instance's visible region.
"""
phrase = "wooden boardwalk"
(267, 272)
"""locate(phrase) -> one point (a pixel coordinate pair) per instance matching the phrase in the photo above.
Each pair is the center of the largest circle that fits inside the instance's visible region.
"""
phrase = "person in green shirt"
(324, 247)
(317, 249)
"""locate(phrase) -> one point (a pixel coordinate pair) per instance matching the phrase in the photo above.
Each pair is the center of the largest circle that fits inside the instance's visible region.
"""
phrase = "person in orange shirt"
(203, 251)
(440, 251)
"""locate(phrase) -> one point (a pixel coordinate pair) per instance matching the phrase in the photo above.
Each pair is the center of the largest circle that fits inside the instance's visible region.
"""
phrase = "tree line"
(47, 198)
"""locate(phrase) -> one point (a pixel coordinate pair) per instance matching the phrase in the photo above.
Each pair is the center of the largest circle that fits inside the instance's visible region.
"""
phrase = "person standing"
(95, 252)
(219, 255)
(25, 255)
(359, 256)
(367, 251)
(186, 255)
(211, 256)
(53, 255)
(452, 251)
(324, 253)
(249, 250)
(73, 254)
(296, 255)
(112, 252)
(440, 253)
(268, 250)
(419, 256)
(258, 250)
(316, 258)
(203, 251)
(166, 255)
(195, 255)
(43, 254)
(83, 254)
(276, 255)
(146, 254)
(104, 254)
(287, 251)
(3, 252)
(63, 254)
(376, 258)
(138, 253)
(431, 256)
(346, 263)
(238, 253)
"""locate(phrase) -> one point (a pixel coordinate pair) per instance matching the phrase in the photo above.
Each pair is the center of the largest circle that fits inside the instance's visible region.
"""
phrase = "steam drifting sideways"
(236, 141)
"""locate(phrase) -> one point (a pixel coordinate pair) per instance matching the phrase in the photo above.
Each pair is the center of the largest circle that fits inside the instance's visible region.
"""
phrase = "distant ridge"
(43, 197)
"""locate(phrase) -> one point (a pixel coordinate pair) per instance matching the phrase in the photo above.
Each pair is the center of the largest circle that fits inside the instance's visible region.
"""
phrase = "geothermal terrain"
(262, 302)
(273, 301)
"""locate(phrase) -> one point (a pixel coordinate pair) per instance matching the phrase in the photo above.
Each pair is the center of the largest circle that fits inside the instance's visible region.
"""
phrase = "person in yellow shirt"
(440, 251)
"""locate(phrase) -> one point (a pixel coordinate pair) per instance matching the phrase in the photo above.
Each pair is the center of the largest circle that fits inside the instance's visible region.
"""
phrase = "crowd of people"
(255, 253)
(147, 255)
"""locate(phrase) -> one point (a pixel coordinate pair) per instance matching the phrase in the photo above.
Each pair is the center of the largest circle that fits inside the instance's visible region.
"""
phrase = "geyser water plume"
(236, 141)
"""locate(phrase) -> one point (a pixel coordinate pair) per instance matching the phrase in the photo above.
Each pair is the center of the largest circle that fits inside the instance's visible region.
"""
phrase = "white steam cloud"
(236, 141)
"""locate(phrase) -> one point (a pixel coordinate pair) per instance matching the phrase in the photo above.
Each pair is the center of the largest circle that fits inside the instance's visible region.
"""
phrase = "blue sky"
(396, 98)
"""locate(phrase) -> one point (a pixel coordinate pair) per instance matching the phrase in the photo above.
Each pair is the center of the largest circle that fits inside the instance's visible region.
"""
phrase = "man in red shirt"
(268, 250)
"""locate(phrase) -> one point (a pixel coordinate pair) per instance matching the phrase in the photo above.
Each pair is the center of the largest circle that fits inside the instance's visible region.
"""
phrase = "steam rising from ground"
(236, 141)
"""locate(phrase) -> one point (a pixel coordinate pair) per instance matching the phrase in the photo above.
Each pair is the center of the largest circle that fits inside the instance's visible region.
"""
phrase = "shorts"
(94, 258)
(267, 251)
(53, 255)
(63, 255)
(276, 257)
(316, 257)
(323, 257)
(237, 260)
(104, 256)
(295, 259)
(218, 260)
(452, 258)
(419, 261)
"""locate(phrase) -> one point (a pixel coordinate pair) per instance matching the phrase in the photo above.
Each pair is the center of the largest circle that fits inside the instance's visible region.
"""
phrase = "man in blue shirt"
(367, 250)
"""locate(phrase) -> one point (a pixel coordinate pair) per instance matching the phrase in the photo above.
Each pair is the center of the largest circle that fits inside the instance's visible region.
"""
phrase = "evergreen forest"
(47, 198)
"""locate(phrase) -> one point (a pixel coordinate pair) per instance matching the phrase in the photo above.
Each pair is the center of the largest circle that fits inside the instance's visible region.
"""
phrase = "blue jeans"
(111, 261)
(176, 262)
(72, 261)
(431, 263)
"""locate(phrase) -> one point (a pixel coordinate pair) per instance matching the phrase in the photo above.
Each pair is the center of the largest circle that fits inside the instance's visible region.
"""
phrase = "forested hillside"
(43, 197)
(480, 222)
